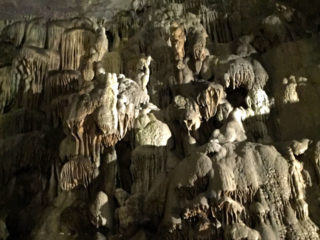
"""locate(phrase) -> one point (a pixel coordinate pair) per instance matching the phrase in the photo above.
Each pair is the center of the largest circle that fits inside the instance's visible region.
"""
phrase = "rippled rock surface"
(167, 120)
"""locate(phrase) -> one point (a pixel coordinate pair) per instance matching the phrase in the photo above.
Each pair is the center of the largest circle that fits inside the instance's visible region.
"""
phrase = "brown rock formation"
(171, 120)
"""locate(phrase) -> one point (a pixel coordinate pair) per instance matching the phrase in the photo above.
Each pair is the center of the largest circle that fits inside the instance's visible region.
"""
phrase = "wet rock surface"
(168, 120)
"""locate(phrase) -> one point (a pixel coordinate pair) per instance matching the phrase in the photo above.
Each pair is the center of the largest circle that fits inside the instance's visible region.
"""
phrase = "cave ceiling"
(12, 9)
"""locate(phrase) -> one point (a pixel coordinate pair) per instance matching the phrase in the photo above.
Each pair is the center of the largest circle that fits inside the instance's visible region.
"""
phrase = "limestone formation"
(100, 210)
(169, 119)
(177, 38)
(233, 130)
(143, 76)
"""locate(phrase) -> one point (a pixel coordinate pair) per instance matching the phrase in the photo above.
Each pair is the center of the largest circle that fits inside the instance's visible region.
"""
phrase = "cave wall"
(170, 120)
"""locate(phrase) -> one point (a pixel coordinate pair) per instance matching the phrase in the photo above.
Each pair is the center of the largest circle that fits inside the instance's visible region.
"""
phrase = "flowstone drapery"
(170, 120)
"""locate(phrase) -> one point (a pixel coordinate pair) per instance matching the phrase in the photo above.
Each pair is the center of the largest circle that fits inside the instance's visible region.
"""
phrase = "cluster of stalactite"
(163, 114)
(58, 70)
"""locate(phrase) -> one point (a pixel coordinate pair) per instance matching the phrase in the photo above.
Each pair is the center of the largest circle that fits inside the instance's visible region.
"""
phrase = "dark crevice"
(237, 97)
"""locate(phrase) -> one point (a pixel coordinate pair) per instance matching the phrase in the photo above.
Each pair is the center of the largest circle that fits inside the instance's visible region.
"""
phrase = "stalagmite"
(149, 130)
(290, 94)
(101, 211)
(144, 73)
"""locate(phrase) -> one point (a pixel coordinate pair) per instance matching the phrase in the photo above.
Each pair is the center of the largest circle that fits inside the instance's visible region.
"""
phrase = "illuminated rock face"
(172, 120)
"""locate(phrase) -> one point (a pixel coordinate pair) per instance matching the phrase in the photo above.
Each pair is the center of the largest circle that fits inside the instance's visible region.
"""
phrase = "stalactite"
(75, 172)
(147, 163)
(236, 73)
(59, 83)
(36, 33)
(75, 44)
(57, 108)
(31, 68)
(216, 25)
(15, 32)
(55, 32)
(94, 117)
(8, 88)
(107, 117)
(209, 99)
(190, 171)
